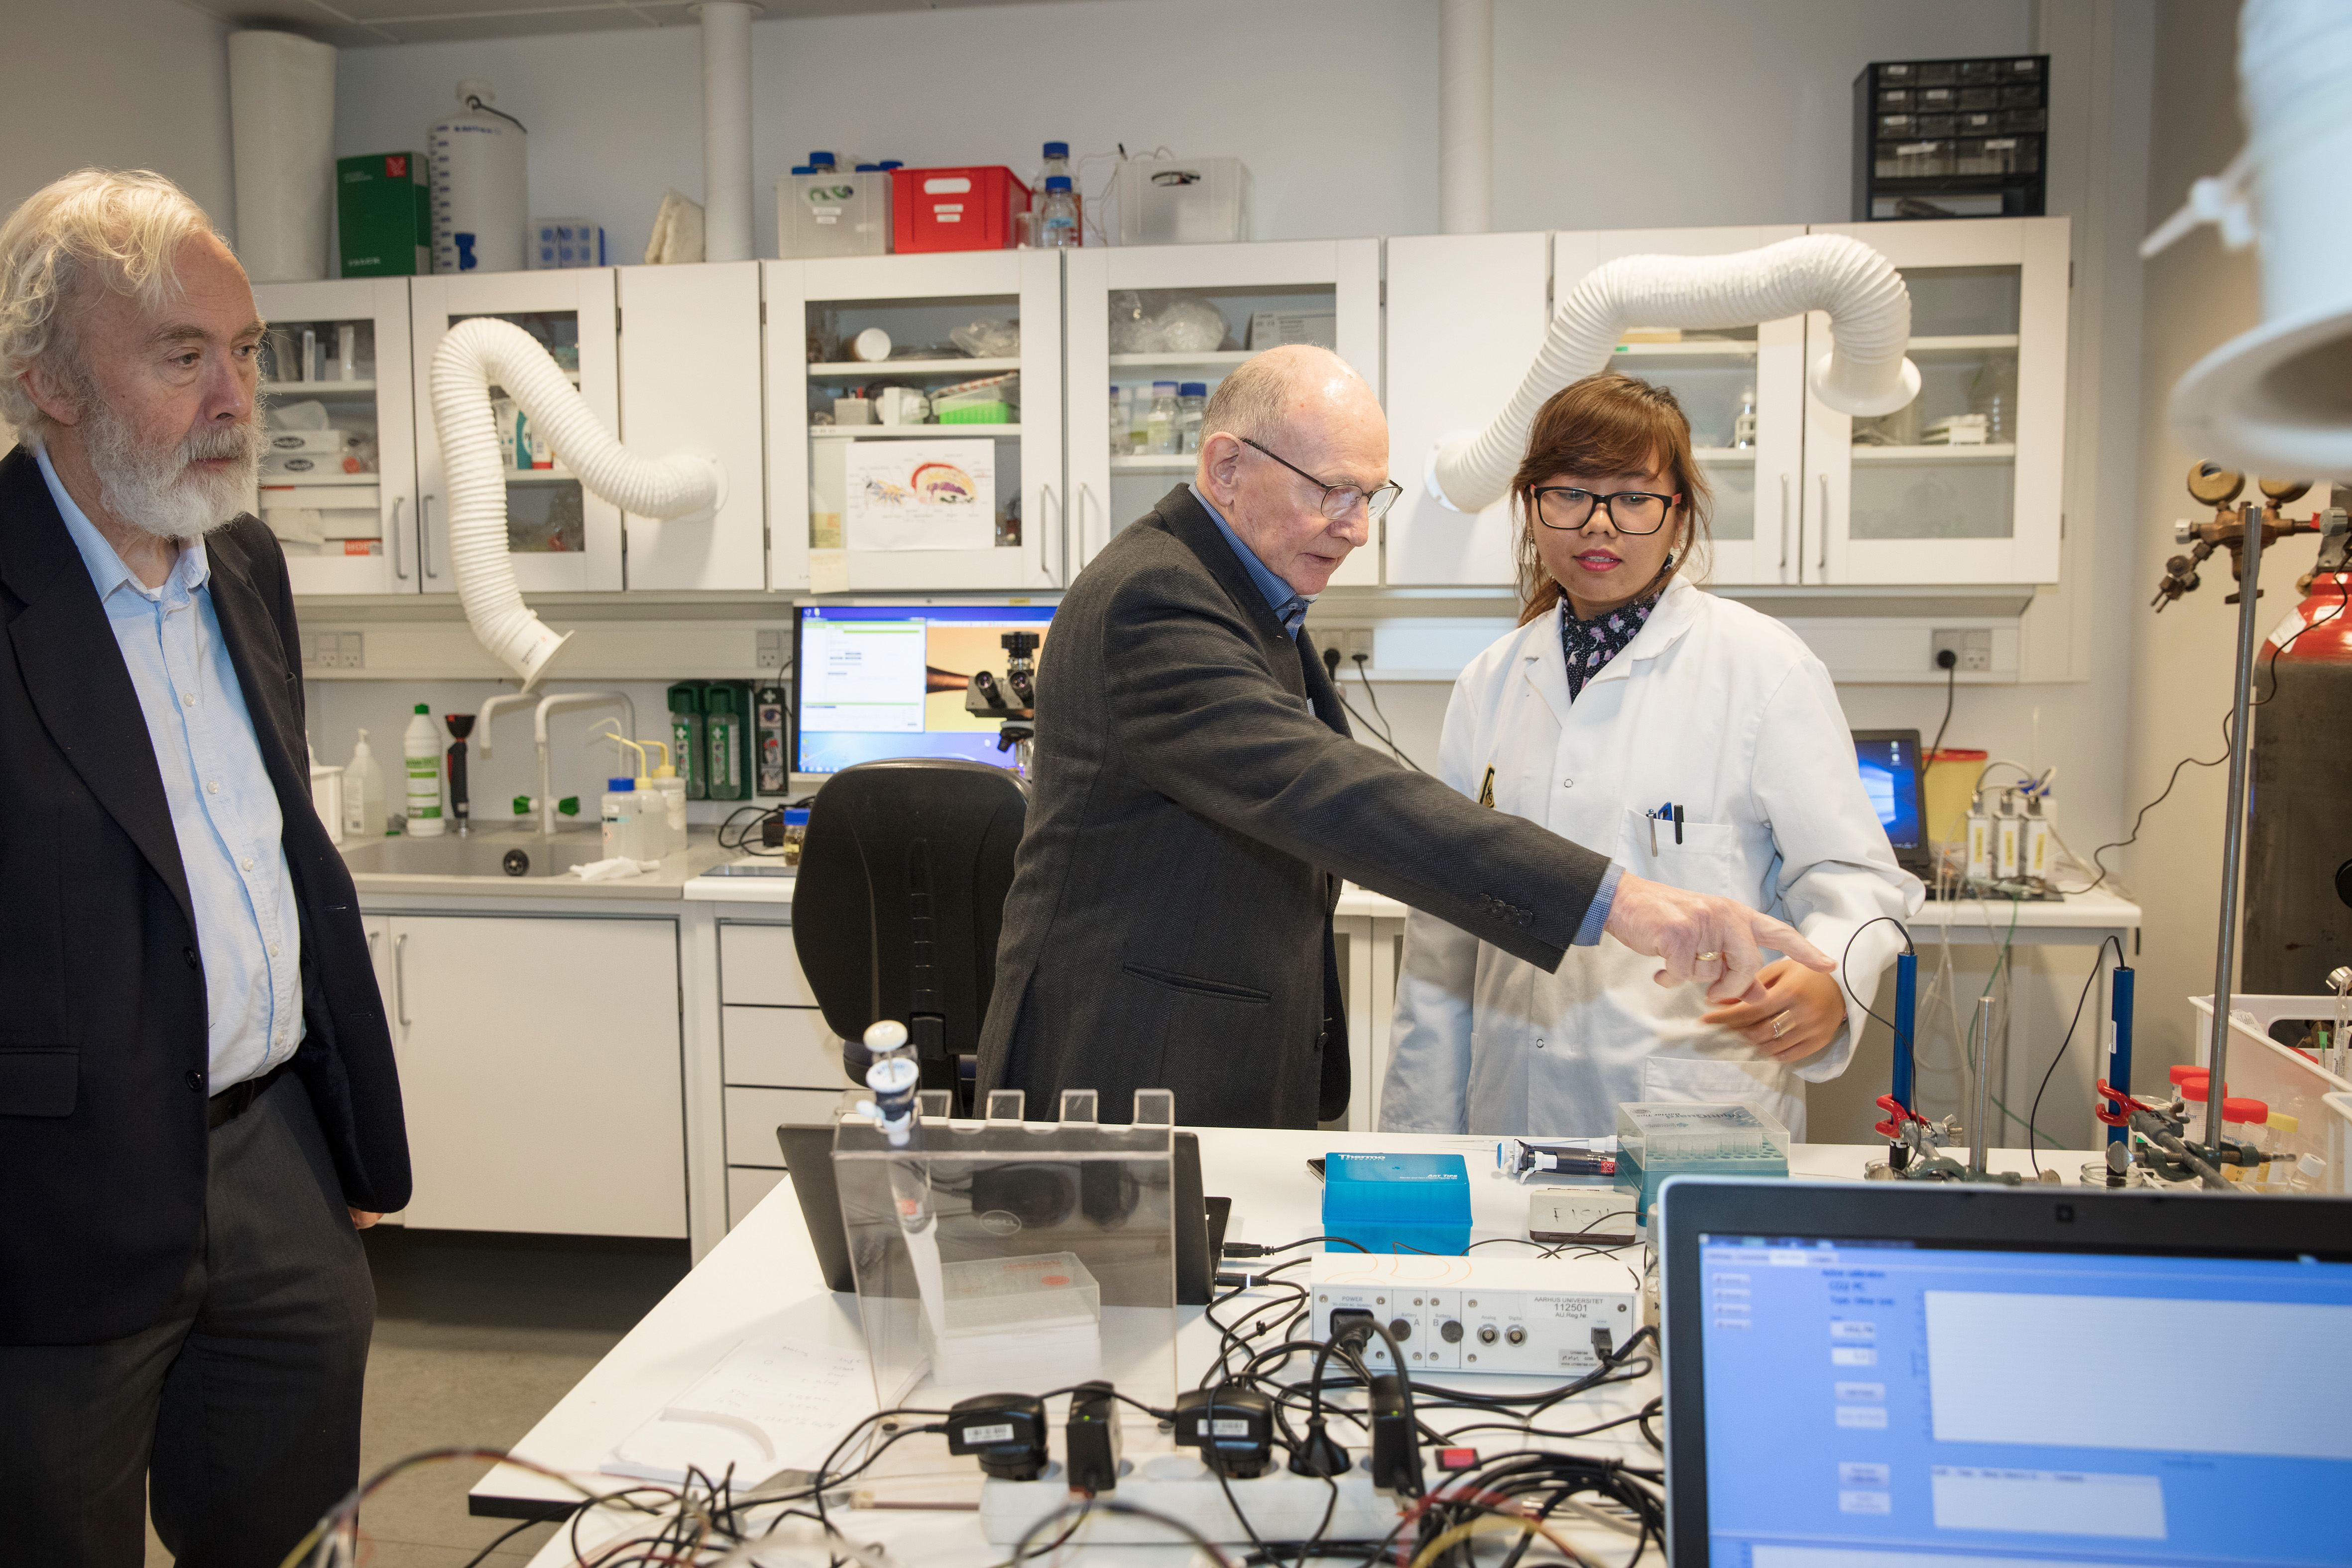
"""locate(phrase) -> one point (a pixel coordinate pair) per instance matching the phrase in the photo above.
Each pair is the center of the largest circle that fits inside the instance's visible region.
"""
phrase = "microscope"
(1013, 699)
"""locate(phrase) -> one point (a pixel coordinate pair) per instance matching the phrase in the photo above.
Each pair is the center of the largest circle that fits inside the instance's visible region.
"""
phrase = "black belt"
(238, 1097)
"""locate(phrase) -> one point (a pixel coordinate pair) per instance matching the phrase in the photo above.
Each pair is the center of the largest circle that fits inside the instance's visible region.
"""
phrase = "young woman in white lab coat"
(1700, 743)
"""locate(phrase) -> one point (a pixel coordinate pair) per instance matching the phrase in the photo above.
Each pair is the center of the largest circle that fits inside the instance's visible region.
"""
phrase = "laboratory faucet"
(553, 702)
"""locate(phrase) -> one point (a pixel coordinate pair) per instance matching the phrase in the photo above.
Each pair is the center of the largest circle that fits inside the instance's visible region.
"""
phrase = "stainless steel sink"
(499, 853)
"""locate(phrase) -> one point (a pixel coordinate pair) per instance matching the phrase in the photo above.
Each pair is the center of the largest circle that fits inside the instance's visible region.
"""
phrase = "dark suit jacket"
(1169, 921)
(102, 1039)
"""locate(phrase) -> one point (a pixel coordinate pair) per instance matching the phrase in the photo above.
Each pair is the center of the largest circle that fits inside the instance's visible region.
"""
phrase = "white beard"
(155, 489)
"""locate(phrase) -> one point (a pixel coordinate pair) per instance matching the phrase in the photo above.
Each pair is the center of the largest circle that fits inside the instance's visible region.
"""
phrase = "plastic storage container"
(556, 243)
(822, 211)
(995, 400)
(1658, 1138)
(1392, 1203)
(956, 209)
(1174, 201)
(477, 161)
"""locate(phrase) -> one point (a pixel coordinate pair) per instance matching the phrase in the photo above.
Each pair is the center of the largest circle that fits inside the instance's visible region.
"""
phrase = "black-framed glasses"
(1630, 511)
(1340, 501)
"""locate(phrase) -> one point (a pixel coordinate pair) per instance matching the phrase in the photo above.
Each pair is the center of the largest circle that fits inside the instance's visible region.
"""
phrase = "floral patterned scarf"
(1591, 644)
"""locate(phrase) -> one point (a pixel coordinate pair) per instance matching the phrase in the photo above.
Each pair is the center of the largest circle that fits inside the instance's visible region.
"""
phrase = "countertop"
(669, 882)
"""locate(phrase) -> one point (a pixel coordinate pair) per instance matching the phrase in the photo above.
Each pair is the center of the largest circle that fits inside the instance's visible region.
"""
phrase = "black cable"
(1951, 687)
(2035, 1108)
(1846, 979)
(483, 1555)
(1362, 660)
(2269, 668)
(1252, 1249)
(473, 102)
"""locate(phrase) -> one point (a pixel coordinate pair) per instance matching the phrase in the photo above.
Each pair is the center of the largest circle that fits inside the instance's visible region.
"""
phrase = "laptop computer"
(1200, 1220)
(1862, 1376)
(1894, 778)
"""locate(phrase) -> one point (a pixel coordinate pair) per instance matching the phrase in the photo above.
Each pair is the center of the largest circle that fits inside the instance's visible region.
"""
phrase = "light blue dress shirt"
(1290, 607)
(223, 810)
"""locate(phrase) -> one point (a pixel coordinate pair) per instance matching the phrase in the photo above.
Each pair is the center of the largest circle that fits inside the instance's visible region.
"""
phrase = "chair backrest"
(899, 900)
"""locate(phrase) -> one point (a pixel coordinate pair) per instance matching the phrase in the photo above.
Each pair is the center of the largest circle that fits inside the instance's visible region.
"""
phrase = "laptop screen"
(1889, 761)
(1945, 1403)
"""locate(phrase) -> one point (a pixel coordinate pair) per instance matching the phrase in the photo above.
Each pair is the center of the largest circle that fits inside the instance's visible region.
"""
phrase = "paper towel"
(282, 92)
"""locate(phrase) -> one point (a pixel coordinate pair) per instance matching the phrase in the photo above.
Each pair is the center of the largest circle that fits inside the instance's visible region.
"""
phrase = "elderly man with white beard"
(198, 1107)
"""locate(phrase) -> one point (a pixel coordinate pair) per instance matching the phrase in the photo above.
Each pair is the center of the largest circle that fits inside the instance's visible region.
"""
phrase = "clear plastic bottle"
(1743, 423)
(1119, 419)
(1992, 392)
(1160, 424)
(1057, 226)
(1058, 161)
(624, 835)
(1191, 404)
(363, 792)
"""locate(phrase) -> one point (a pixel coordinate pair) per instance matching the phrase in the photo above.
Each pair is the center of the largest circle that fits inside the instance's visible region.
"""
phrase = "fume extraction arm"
(483, 351)
(1865, 373)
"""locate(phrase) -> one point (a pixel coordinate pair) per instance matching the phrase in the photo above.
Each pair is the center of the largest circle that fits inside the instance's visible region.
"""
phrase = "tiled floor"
(475, 1337)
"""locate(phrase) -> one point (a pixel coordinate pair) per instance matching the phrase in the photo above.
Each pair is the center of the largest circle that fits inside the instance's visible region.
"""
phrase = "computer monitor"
(1889, 760)
(1867, 1374)
(886, 679)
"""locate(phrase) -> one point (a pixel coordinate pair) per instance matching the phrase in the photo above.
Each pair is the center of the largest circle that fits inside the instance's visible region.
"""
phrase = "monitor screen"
(1890, 776)
(873, 681)
(1887, 1401)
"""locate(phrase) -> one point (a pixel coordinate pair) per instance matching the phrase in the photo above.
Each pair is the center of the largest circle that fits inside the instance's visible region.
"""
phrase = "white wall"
(1684, 112)
(122, 84)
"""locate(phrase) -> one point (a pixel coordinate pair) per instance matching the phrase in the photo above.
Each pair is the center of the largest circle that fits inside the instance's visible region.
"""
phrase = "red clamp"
(2125, 1105)
(1896, 1115)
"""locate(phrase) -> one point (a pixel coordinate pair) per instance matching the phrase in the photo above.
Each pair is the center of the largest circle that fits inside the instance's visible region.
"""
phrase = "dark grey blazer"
(1190, 809)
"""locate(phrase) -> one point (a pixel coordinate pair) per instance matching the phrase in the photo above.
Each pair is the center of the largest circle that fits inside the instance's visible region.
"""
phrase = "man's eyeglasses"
(1630, 511)
(1340, 501)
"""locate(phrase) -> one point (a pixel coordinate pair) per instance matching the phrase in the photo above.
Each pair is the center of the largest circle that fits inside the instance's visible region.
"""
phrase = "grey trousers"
(237, 1417)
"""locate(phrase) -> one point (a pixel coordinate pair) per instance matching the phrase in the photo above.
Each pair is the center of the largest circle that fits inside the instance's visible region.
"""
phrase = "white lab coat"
(1719, 710)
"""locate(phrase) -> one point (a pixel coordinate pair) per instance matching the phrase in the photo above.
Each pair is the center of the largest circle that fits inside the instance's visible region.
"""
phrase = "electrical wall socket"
(1349, 641)
(768, 650)
(334, 650)
(1973, 646)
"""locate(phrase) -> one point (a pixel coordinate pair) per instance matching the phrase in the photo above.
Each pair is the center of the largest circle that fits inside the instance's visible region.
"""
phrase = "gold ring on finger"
(1781, 1026)
(1710, 958)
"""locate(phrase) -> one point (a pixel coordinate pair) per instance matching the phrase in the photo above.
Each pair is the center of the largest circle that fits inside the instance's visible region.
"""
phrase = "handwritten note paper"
(771, 1403)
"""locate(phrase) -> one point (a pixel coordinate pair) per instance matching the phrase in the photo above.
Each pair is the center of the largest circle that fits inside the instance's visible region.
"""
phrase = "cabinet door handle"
(1822, 561)
(1784, 528)
(424, 537)
(1044, 542)
(399, 978)
(1086, 495)
(399, 556)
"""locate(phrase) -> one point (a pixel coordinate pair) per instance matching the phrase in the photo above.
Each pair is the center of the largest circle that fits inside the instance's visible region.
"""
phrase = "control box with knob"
(1477, 1314)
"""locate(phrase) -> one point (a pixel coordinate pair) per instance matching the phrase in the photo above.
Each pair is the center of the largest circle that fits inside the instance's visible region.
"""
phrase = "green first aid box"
(383, 220)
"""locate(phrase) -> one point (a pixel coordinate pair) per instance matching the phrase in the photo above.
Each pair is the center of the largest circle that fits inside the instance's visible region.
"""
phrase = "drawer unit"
(757, 967)
(746, 1187)
(780, 1047)
(754, 1114)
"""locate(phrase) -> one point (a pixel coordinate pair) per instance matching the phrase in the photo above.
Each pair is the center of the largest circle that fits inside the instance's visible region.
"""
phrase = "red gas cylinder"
(2299, 819)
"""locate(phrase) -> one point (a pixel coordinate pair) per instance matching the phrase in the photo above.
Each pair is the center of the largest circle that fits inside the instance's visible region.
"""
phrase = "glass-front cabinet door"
(563, 539)
(1153, 330)
(339, 476)
(1741, 387)
(915, 422)
(1963, 486)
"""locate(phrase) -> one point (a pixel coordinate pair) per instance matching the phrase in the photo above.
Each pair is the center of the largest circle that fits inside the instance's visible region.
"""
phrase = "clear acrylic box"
(1689, 1137)
(1183, 201)
(1005, 1256)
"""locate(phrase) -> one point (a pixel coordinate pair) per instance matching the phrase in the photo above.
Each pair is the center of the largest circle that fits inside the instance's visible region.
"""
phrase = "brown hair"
(1606, 423)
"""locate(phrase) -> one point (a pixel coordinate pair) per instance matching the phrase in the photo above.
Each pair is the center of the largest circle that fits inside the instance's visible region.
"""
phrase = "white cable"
(1865, 373)
(484, 350)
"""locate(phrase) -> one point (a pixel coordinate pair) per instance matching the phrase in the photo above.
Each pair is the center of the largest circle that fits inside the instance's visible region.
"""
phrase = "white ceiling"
(357, 24)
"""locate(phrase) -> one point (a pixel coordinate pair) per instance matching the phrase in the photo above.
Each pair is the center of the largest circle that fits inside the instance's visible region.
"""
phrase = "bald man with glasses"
(1196, 798)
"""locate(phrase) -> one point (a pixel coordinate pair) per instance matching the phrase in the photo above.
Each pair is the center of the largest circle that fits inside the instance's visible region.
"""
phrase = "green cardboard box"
(384, 222)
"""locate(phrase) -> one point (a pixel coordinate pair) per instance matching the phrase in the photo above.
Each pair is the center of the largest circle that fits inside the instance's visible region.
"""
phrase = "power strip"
(1529, 1315)
(1278, 1505)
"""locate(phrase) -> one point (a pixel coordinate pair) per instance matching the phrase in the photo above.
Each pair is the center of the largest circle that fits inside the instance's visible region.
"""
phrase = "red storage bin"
(956, 209)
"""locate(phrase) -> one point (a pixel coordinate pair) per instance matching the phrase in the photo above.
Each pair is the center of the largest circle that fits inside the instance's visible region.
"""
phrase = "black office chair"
(898, 903)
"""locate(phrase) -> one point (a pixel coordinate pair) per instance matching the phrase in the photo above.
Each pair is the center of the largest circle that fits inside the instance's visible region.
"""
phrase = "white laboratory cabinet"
(1752, 466)
(690, 367)
(540, 1069)
(346, 520)
(1885, 502)
(1324, 291)
(816, 310)
(1466, 313)
(563, 537)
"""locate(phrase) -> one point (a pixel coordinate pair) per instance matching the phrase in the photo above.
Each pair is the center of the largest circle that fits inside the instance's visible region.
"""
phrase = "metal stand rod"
(2234, 838)
(1979, 1128)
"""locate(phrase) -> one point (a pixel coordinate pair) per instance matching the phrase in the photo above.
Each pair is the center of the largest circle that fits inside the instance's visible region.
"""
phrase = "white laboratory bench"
(763, 1279)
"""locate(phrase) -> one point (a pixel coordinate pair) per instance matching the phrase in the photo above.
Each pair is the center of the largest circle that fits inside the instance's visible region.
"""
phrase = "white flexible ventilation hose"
(481, 351)
(1865, 373)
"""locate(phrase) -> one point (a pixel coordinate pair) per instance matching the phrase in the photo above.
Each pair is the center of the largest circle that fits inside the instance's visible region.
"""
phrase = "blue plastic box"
(1398, 1202)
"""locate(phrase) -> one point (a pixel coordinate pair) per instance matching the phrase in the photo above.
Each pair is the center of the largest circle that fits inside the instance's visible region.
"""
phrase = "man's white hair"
(1254, 403)
(103, 228)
